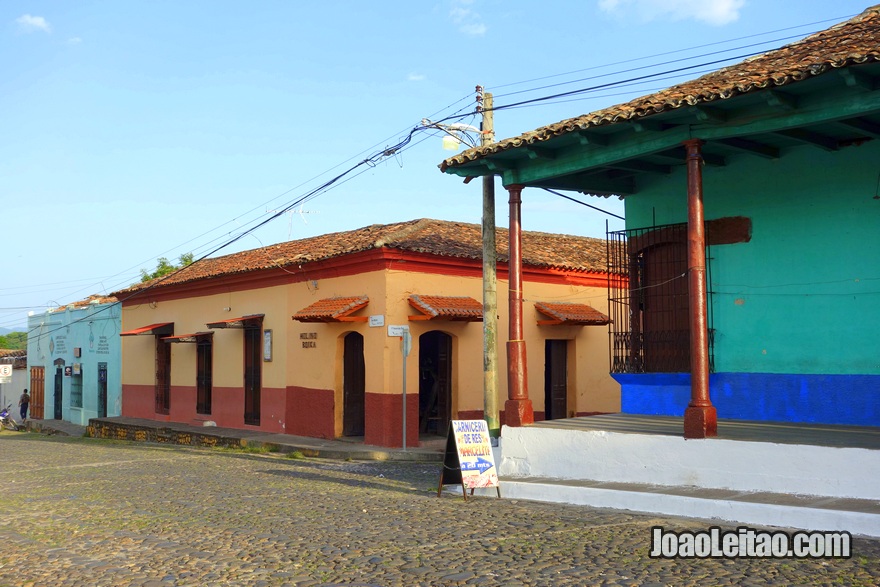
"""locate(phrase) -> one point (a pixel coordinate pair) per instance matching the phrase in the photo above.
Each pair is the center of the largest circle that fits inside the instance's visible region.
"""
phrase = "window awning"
(195, 337)
(334, 310)
(249, 321)
(460, 308)
(162, 328)
(571, 314)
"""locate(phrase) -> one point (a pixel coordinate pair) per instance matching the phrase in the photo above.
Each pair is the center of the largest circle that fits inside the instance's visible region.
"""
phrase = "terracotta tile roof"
(14, 353)
(570, 313)
(249, 321)
(158, 328)
(853, 42)
(432, 237)
(193, 337)
(91, 300)
(460, 308)
(334, 310)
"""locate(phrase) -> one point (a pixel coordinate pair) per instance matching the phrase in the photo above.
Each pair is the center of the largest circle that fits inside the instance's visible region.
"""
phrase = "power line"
(405, 144)
(555, 193)
(676, 51)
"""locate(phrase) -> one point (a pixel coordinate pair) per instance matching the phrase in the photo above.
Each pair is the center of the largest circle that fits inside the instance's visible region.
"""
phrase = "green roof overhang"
(828, 112)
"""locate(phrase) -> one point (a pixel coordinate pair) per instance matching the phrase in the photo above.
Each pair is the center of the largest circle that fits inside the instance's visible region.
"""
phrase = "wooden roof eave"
(570, 159)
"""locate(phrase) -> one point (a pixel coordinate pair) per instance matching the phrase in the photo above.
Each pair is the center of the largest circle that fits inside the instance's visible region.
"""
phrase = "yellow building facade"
(301, 338)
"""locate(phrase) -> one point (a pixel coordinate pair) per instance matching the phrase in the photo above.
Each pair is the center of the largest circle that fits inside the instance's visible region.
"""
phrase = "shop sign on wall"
(309, 339)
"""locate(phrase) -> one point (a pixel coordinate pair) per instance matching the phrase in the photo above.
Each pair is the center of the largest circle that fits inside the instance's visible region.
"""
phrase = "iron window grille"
(648, 300)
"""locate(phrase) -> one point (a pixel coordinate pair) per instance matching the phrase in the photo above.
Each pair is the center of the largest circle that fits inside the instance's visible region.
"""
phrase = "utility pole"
(490, 294)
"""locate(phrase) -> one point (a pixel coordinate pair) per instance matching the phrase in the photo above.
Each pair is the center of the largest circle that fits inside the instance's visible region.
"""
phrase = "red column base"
(518, 412)
(700, 422)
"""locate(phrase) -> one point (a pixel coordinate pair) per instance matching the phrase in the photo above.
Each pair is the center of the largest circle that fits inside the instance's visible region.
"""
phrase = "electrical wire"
(555, 193)
(676, 51)
(403, 144)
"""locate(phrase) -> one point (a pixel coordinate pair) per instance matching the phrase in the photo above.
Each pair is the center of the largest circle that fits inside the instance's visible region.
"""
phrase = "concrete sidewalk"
(430, 449)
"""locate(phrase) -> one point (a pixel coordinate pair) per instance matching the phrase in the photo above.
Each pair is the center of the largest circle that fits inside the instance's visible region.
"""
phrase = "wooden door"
(38, 392)
(664, 309)
(435, 382)
(444, 381)
(163, 375)
(555, 379)
(353, 385)
(204, 370)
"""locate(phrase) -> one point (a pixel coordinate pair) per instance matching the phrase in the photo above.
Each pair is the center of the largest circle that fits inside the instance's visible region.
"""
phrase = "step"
(857, 516)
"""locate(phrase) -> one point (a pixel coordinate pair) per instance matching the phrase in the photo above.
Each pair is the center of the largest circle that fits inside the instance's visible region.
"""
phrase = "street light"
(455, 134)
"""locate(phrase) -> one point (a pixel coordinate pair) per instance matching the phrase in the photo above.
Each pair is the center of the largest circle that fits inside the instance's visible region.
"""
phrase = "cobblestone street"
(84, 512)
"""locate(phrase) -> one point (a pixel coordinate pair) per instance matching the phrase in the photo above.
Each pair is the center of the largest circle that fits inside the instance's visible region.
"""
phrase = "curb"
(208, 437)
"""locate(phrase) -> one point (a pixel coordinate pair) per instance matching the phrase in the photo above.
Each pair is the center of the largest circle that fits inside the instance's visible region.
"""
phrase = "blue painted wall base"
(827, 399)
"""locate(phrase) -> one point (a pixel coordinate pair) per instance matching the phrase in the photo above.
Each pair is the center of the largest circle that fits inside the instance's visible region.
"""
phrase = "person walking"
(24, 401)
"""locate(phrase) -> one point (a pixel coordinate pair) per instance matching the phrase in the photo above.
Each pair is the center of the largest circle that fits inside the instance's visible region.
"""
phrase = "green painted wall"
(804, 295)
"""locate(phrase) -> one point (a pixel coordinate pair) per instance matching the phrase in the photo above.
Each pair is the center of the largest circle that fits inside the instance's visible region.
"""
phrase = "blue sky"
(135, 130)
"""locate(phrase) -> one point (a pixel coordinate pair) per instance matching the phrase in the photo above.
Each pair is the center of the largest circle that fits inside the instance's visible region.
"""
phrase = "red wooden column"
(700, 418)
(518, 407)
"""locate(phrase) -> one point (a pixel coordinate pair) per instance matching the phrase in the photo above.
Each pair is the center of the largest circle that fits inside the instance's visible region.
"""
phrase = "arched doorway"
(353, 385)
(435, 382)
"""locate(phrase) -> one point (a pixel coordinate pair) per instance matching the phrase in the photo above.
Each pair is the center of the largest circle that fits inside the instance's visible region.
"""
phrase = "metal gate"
(648, 300)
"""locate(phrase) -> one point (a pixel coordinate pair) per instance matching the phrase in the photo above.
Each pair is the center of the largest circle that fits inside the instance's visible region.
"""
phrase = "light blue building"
(74, 361)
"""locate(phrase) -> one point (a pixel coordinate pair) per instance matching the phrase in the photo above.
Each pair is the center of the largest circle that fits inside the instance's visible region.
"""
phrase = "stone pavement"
(101, 513)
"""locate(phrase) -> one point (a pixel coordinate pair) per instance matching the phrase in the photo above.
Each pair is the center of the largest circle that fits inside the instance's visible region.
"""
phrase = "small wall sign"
(267, 345)
(309, 339)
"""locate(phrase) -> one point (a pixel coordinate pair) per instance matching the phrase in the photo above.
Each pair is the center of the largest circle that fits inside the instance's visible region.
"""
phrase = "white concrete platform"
(765, 474)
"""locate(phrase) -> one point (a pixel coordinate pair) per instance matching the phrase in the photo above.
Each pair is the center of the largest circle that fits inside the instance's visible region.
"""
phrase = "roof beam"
(753, 147)
(642, 167)
(810, 138)
(858, 79)
(540, 152)
(591, 138)
(678, 157)
(643, 125)
(709, 114)
(780, 100)
(499, 165)
(593, 183)
(871, 129)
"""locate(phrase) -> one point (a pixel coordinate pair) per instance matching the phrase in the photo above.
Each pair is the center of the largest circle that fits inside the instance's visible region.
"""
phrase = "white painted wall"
(673, 461)
(11, 392)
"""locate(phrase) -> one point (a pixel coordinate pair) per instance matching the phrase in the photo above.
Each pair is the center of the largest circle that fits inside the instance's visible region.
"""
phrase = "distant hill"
(8, 330)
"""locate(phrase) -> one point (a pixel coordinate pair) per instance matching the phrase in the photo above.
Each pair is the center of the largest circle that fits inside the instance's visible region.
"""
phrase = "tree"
(164, 267)
(13, 341)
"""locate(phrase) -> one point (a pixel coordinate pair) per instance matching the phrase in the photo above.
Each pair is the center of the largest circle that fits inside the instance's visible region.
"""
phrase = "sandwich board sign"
(468, 458)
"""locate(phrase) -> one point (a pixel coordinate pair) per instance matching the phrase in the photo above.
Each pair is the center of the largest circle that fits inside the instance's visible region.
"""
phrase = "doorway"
(38, 376)
(59, 390)
(555, 379)
(102, 390)
(353, 385)
(435, 382)
(204, 370)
